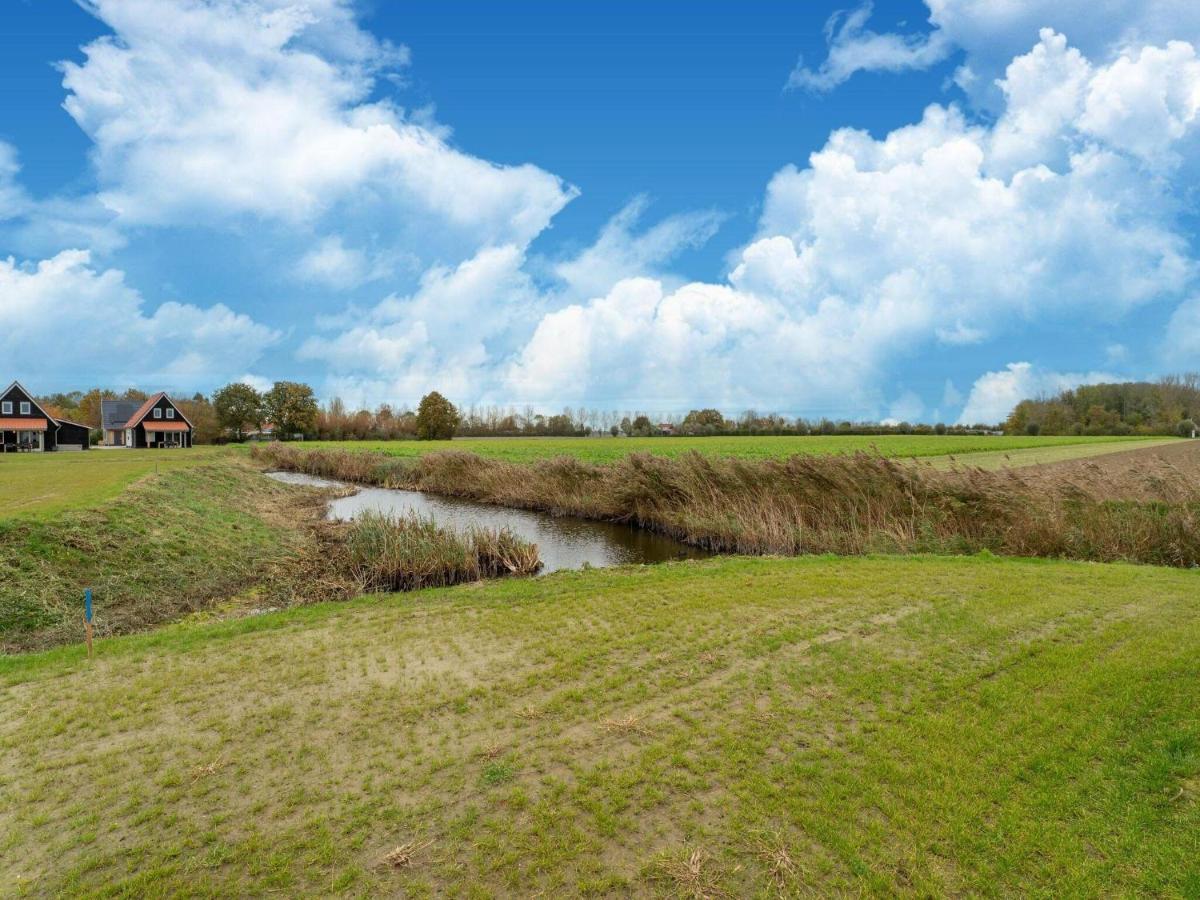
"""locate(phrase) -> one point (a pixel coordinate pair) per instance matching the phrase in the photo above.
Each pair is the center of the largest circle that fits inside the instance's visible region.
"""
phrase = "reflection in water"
(563, 542)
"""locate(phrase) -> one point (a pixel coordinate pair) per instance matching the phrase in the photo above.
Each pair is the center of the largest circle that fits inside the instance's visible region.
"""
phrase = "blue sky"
(908, 211)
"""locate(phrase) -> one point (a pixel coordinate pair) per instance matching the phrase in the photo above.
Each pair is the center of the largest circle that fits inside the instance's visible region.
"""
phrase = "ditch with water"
(564, 542)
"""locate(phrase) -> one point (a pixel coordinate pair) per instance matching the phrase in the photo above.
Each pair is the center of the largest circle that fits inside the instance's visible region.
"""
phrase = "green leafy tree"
(437, 419)
(238, 408)
(200, 412)
(1187, 428)
(291, 408)
(703, 421)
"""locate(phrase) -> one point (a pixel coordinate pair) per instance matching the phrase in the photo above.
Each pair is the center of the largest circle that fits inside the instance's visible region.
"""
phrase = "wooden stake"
(87, 618)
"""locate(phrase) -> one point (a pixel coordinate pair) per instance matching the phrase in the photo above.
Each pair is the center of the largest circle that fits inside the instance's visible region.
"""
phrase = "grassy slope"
(170, 544)
(41, 484)
(911, 726)
(601, 450)
(1035, 456)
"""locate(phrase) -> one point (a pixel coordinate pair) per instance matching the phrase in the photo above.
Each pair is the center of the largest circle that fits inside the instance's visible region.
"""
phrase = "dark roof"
(61, 421)
(115, 413)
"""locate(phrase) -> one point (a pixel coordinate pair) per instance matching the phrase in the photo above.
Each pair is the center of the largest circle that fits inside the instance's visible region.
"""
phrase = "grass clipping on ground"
(887, 726)
(854, 504)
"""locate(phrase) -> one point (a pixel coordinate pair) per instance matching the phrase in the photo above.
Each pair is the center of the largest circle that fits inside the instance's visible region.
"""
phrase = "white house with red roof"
(156, 423)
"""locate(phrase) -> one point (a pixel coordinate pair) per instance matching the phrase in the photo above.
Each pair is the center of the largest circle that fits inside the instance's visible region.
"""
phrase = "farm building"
(26, 426)
(157, 423)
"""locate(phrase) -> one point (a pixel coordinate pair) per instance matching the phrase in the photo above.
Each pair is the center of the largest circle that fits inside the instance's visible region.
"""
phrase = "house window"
(170, 413)
(24, 408)
(158, 412)
(6, 408)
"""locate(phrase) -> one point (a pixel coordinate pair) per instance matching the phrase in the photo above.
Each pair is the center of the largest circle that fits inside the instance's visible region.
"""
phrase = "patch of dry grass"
(693, 874)
(401, 857)
(628, 724)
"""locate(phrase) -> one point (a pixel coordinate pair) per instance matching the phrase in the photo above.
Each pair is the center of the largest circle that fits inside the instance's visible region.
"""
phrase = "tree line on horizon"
(237, 411)
(1169, 406)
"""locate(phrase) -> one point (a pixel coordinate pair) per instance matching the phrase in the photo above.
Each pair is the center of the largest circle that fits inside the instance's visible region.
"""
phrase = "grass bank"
(814, 504)
(168, 545)
(606, 450)
(742, 727)
(219, 534)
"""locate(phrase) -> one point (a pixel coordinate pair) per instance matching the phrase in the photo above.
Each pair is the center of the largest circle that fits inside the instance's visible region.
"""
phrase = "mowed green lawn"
(40, 484)
(601, 450)
(736, 727)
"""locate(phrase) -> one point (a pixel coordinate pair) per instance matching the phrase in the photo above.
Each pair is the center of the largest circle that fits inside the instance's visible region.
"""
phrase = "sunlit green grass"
(601, 450)
(1042, 455)
(40, 484)
(890, 726)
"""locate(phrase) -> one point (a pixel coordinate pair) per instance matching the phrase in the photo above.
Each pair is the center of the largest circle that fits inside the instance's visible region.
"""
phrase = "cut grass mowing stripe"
(924, 726)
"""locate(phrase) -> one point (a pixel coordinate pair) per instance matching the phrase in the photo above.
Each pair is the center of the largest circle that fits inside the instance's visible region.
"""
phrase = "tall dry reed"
(811, 504)
(385, 553)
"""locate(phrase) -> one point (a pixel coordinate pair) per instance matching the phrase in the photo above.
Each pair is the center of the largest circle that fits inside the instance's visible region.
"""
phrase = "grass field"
(1036, 456)
(601, 450)
(40, 484)
(740, 727)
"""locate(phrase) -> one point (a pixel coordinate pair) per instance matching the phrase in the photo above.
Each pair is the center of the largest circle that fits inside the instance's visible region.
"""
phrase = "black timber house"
(157, 423)
(26, 426)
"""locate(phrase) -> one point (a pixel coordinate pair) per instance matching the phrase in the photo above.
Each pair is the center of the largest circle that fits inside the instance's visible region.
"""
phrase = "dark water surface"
(564, 542)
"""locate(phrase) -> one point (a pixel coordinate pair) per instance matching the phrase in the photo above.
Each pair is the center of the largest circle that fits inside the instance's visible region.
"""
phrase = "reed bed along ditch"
(385, 553)
(861, 503)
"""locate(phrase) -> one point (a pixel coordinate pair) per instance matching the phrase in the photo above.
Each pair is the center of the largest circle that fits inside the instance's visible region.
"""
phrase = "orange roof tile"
(23, 425)
(165, 425)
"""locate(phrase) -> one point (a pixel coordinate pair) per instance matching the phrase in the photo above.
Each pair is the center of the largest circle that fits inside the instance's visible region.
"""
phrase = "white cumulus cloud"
(942, 232)
(1182, 344)
(224, 108)
(991, 32)
(995, 394)
(101, 332)
(444, 334)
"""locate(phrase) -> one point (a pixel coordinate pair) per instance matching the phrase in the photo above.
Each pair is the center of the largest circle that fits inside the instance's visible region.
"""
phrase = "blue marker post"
(87, 618)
